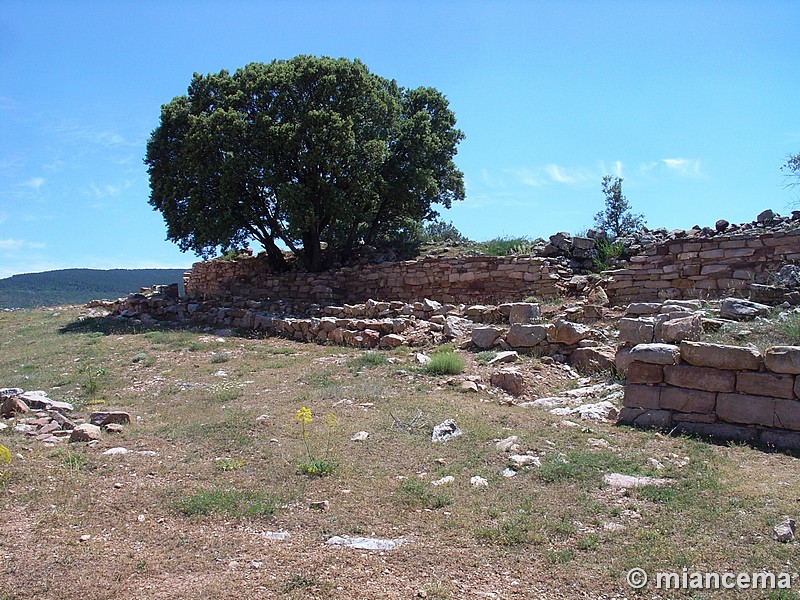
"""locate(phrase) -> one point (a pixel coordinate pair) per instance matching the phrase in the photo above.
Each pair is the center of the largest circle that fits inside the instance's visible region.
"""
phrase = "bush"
(439, 231)
(504, 246)
(445, 363)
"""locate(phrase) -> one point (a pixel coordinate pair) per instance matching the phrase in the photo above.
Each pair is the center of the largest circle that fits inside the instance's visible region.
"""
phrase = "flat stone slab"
(626, 482)
(363, 543)
(656, 354)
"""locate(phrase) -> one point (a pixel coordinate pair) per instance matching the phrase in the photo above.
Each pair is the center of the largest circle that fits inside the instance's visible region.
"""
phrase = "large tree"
(314, 152)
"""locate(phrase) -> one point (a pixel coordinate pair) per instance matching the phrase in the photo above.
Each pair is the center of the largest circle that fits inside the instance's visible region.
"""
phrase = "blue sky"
(696, 104)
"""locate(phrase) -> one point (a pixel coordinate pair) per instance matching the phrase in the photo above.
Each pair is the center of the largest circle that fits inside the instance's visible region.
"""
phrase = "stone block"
(636, 331)
(592, 360)
(783, 359)
(780, 439)
(523, 312)
(687, 400)
(694, 417)
(765, 384)
(527, 336)
(509, 380)
(657, 354)
(567, 332)
(718, 356)
(673, 330)
(700, 378)
(485, 337)
(787, 414)
(718, 431)
(643, 308)
(645, 418)
(642, 373)
(642, 396)
(742, 408)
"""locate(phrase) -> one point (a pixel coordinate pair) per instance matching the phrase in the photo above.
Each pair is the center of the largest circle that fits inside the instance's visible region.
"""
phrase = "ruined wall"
(726, 392)
(463, 279)
(696, 266)
(704, 267)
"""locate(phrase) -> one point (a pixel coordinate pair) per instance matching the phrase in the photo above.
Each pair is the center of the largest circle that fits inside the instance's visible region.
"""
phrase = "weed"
(368, 360)
(584, 467)
(560, 557)
(73, 462)
(606, 252)
(445, 362)
(510, 531)
(92, 378)
(228, 464)
(589, 542)
(231, 503)
(503, 246)
(483, 358)
(226, 395)
(5, 460)
(304, 582)
(220, 358)
(318, 466)
(417, 494)
(145, 359)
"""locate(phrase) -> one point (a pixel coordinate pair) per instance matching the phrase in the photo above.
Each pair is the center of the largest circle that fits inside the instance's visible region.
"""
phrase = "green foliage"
(228, 464)
(77, 286)
(417, 494)
(512, 530)
(231, 503)
(606, 251)
(368, 359)
(504, 246)
(317, 467)
(443, 232)
(92, 376)
(313, 152)
(617, 219)
(445, 362)
(5, 460)
(143, 358)
(483, 358)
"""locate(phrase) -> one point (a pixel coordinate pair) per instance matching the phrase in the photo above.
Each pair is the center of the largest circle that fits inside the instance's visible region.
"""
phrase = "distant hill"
(76, 286)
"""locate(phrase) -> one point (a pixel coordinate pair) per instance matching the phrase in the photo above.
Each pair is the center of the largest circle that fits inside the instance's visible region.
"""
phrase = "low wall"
(463, 280)
(703, 268)
(724, 392)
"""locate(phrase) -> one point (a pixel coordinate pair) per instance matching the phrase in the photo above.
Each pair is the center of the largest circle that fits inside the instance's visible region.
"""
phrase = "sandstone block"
(700, 378)
(783, 359)
(718, 356)
(106, 418)
(527, 336)
(636, 331)
(751, 410)
(765, 384)
(523, 312)
(639, 372)
(391, 340)
(671, 331)
(567, 332)
(642, 396)
(687, 400)
(485, 337)
(657, 354)
(592, 360)
(509, 380)
(85, 432)
(740, 310)
(641, 417)
(787, 414)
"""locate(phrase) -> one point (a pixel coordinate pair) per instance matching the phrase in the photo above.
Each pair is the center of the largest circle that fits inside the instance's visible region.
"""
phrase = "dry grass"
(191, 521)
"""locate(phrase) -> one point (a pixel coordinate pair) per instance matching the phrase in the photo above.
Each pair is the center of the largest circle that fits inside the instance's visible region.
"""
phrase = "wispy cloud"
(83, 133)
(552, 174)
(34, 183)
(687, 167)
(12, 244)
(108, 190)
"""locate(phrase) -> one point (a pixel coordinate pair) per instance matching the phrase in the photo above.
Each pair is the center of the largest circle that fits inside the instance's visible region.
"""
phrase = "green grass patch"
(483, 358)
(317, 467)
(418, 494)
(367, 360)
(230, 503)
(445, 362)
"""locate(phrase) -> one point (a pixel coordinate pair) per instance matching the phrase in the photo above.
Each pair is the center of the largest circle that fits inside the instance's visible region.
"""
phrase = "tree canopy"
(317, 153)
(792, 169)
(617, 219)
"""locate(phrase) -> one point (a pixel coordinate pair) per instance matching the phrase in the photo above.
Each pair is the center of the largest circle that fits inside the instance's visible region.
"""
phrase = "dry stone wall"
(725, 392)
(480, 279)
(703, 267)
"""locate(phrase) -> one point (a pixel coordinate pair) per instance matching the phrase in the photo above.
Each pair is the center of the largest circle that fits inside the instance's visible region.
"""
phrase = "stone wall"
(703, 267)
(472, 280)
(725, 392)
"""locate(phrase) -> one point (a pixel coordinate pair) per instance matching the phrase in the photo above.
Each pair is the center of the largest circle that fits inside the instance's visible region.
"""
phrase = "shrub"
(445, 363)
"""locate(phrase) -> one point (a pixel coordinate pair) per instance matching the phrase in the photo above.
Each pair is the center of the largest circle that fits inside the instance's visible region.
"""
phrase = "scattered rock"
(85, 432)
(106, 418)
(445, 430)
(784, 531)
(508, 444)
(363, 543)
(422, 359)
(443, 481)
(477, 481)
(506, 356)
(12, 406)
(525, 460)
(625, 482)
(484, 337)
(360, 436)
(468, 386)
(739, 309)
(319, 505)
(509, 380)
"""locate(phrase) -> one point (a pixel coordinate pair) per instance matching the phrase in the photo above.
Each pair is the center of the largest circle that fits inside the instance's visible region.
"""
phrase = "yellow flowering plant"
(315, 465)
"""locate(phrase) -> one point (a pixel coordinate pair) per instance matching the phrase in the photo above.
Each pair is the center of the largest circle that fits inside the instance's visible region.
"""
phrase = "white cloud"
(108, 190)
(34, 183)
(683, 166)
(11, 244)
